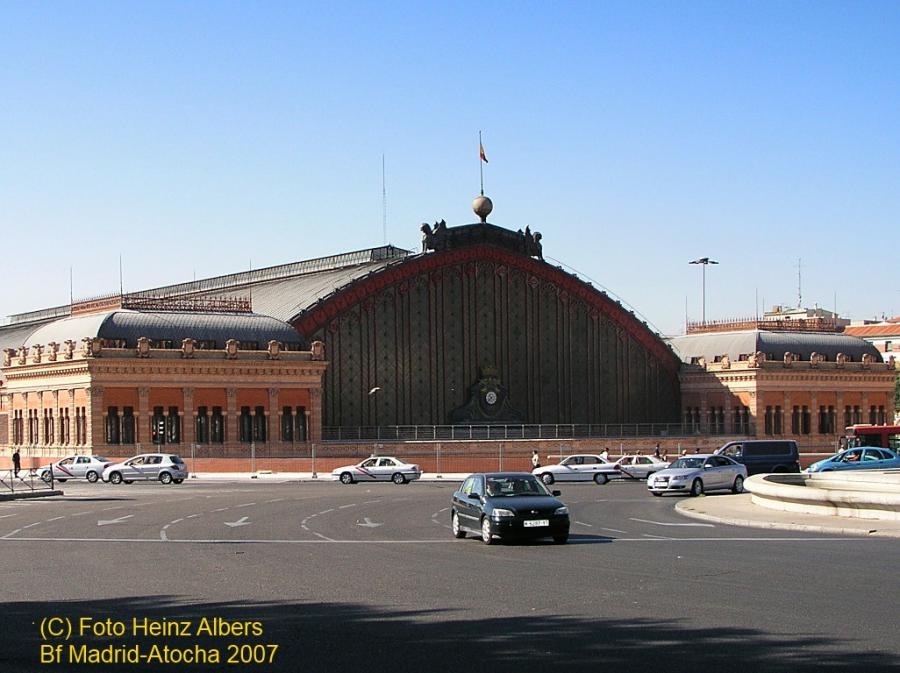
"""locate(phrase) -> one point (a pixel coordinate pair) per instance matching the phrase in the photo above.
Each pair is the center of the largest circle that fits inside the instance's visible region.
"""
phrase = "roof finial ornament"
(482, 206)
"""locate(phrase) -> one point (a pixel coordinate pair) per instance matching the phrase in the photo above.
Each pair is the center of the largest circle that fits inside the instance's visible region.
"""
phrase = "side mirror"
(474, 496)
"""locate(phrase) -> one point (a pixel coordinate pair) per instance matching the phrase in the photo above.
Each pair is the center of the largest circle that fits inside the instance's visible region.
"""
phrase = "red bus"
(887, 436)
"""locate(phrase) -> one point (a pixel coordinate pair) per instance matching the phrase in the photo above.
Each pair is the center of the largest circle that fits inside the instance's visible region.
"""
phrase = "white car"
(580, 467)
(164, 467)
(378, 468)
(75, 467)
(698, 473)
(637, 466)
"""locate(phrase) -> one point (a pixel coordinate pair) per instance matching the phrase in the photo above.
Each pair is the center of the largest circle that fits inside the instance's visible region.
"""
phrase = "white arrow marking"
(240, 522)
(119, 520)
(368, 523)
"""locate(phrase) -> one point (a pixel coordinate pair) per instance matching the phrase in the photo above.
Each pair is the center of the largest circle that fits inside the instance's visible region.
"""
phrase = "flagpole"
(481, 162)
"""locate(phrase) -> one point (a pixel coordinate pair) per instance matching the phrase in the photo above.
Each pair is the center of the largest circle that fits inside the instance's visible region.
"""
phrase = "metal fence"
(405, 433)
(27, 481)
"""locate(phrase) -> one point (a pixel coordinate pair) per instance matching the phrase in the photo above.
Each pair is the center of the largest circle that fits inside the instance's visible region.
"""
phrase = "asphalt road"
(325, 577)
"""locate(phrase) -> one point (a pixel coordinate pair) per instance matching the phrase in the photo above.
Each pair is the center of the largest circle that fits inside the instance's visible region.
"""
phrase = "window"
(202, 425)
(245, 425)
(173, 426)
(742, 420)
(259, 425)
(112, 425)
(217, 426)
(128, 426)
(827, 420)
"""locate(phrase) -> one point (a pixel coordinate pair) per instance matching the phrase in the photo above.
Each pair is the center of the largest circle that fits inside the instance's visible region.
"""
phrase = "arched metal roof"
(129, 326)
(714, 345)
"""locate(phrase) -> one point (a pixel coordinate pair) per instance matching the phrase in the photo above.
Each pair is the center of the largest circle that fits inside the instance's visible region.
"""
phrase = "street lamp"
(703, 262)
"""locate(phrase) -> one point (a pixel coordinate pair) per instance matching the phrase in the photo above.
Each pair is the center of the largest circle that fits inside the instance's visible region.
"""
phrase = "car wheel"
(92, 477)
(398, 478)
(738, 486)
(115, 478)
(346, 478)
(486, 536)
(177, 481)
(547, 478)
(45, 476)
(697, 487)
(561, 539)
(600, 478)
(458, 532)
(165, 477)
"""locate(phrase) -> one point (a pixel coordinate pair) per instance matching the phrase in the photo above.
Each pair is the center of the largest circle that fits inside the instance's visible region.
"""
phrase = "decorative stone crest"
(274, 351)
(318, 350)
(840, 359)
(815, 359)
(36, 351)
(867, 360)
(231, 349)
(725, 362)
(8, 355)
(187, 348)
(143, 347)
(69, 350)
(22, 354)
(52, 351)
(788, 358)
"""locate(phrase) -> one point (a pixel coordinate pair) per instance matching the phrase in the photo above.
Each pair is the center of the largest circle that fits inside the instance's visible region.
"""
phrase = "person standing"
(17, 462)
(535, 460)
(604, 454)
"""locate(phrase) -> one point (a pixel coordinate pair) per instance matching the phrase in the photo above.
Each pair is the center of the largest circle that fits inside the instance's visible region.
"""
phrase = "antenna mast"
(383, 203)
(799, 283)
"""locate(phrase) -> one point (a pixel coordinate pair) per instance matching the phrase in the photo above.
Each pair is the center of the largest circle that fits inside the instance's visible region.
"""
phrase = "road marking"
(615, 530)
(684, 525)
(325, 540)
(246, 504)
(369, 523)
(582, 523)
(346, 506)
(240, 522)
(107, 522)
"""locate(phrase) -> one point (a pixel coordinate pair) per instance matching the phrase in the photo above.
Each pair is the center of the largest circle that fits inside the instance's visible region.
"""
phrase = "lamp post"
(703, 262)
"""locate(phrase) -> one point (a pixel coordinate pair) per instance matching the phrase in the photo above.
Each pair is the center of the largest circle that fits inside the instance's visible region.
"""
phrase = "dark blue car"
(508, 505)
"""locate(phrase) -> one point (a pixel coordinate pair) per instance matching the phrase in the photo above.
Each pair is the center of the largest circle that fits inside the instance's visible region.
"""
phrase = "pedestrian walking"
(535, 460)
(17, 463)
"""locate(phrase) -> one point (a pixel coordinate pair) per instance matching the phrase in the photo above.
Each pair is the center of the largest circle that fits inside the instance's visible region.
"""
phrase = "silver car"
(164, 467)
(696, 474)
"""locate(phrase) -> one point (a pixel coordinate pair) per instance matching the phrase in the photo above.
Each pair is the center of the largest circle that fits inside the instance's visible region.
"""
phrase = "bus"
(886, 436)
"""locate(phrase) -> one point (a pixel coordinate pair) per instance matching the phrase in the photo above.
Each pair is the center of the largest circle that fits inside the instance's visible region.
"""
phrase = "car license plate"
(536, 523)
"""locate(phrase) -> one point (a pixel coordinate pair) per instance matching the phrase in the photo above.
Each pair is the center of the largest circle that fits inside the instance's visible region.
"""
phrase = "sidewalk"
(738, 510)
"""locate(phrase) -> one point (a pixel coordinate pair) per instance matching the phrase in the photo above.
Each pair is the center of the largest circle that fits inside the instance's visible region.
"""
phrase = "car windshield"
(691, 463)
(517, 485)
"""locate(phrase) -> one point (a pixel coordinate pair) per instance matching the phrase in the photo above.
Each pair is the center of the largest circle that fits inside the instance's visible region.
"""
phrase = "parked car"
(698, 474)
(764, 455)
(580, 467)
(378, 468)
(862, 458)
(164, 467)
(508, 505)
(75, 467)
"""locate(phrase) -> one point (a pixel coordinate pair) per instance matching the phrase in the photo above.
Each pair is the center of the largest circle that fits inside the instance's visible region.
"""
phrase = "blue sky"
(197, 139)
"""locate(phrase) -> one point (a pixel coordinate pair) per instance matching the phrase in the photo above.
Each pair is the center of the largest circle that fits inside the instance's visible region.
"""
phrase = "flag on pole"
(481, 152)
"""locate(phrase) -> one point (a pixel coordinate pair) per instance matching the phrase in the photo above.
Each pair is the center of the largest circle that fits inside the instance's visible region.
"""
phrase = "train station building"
(474, 330)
